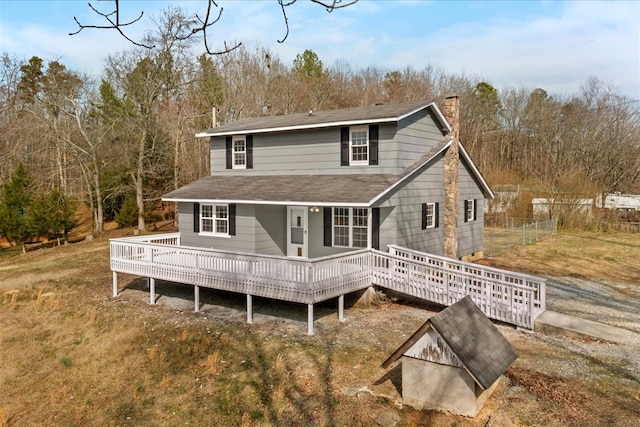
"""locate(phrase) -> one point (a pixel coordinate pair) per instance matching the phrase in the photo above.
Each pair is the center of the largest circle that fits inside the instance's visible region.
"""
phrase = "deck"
(502, 295)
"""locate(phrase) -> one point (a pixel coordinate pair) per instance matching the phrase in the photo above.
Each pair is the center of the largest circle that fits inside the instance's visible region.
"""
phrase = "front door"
(297, 231)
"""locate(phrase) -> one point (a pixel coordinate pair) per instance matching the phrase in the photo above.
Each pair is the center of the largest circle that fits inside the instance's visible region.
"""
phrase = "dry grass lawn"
(71, 355)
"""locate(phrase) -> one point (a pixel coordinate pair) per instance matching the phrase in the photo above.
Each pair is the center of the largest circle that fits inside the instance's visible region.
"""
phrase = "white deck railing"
(502, 295)
(304, 281)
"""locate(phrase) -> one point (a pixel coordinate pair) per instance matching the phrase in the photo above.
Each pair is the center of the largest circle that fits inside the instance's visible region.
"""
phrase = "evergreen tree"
(52, 215)
(15, 205)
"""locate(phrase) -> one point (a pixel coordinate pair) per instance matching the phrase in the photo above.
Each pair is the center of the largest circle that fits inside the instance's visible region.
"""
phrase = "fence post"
(524, 234)
(491, 244)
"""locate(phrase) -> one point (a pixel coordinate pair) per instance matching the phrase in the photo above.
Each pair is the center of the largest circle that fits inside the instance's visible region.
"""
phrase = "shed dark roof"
(344, 117)
(477, 343)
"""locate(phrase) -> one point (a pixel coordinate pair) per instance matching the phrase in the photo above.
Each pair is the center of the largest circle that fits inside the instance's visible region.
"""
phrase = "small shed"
(453, 361)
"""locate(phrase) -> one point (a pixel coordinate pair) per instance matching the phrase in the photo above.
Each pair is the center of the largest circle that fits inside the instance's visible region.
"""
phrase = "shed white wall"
(432, 386)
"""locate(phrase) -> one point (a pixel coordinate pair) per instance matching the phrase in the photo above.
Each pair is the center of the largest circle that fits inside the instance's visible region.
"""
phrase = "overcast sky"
(554, 45)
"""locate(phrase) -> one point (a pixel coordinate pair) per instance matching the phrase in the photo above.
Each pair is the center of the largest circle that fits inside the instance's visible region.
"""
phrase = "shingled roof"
(479, 346)
(279, 189)
(319, 119)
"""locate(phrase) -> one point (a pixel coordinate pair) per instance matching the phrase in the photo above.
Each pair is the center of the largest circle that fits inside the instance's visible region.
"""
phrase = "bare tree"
(200, 23)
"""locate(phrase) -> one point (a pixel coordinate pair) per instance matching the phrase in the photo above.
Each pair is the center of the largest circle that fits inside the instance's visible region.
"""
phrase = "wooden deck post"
(115, 284)
(152, 290)
(341, 308)
(249, 308)
(196, 297)
(310, 319)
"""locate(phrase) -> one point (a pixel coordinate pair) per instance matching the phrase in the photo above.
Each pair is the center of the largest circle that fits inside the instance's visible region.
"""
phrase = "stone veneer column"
(451, 180)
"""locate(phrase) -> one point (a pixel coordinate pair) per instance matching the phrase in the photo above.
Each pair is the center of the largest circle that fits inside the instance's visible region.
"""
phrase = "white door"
(297, 231)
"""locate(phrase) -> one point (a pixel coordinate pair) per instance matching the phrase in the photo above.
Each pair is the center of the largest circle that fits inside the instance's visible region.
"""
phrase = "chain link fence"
(501, 233)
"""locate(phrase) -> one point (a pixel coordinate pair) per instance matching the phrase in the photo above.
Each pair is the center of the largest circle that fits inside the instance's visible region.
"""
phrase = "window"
(430, 215)
(360, 218)
(239, 153)
(350, 227)
(341, 227)
(469, 210)
(359, 146)
(214, 219)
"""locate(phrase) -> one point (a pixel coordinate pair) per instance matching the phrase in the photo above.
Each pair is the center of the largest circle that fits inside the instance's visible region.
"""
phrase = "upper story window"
(470, 210)
(239, 152)
(359, 145)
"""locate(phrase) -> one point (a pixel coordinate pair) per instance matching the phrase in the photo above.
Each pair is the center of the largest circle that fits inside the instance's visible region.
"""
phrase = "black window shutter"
(249, 148)
(327, 226)
(344, 146)
(196, 217)
(373, 144)
(424, 216)
(475, 209)
(375, 228)
(229, 152)
(437, 214)
(232, 219)
(466, 209)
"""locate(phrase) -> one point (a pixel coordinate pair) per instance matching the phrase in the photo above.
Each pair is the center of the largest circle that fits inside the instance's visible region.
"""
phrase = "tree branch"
(329, 6)
(206, 24)
(203, 24)
(114, 25)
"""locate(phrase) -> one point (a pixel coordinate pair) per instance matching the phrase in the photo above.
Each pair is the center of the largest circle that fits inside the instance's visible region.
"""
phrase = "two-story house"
(310, 207)
(327, 182)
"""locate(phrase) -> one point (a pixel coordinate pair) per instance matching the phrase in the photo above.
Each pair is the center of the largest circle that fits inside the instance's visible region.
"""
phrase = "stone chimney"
(451, 181)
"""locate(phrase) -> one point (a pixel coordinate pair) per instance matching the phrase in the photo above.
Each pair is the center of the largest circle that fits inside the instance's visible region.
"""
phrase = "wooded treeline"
(120, 142)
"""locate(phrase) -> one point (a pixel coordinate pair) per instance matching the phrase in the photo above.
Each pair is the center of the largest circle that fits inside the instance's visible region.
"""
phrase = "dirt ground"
(71, 355)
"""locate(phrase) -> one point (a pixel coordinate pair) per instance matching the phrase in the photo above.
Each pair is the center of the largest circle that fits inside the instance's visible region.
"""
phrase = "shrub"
(127, 216)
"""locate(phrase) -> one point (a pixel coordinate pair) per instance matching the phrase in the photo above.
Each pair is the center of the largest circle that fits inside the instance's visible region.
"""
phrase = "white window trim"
(470, 204)
(432, 223)
(214, 219)
(350, 227)
(358, 162)
(234, 165)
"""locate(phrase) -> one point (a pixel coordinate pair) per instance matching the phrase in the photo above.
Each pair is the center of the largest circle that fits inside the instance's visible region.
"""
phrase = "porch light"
(314, 209)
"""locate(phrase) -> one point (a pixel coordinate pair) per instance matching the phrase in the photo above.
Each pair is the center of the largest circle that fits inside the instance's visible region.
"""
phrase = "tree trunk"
(139, 181)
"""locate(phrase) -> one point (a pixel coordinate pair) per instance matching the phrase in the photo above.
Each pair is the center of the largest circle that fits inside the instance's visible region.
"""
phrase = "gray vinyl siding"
(259, 229)
(470, 234)
(243, 241)
(271, 230)
(317, 151)
(311, 152)
(403, 223)
(416, 135)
